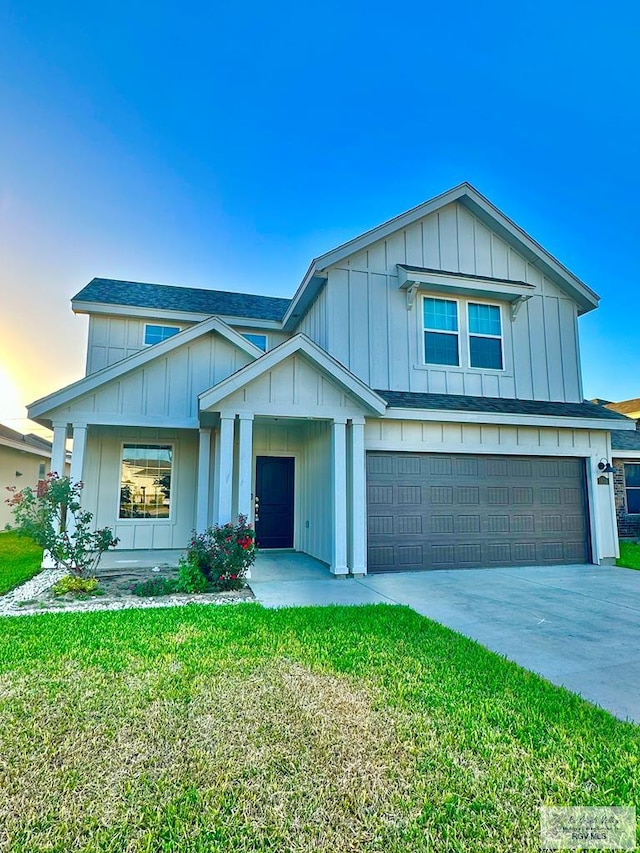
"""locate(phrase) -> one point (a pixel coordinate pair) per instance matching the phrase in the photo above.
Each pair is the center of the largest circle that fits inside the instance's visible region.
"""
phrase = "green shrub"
(223, 553)
(155, 586)
(52, 516)
(75, 584)
(191, 578)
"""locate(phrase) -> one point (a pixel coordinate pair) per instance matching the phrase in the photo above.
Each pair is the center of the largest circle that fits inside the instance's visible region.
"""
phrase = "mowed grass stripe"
(20, 560)
(315, 729)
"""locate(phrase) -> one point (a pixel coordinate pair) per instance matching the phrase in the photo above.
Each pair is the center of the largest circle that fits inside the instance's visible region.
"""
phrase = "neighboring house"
(417, 404)
(625, 450)
(24, 459)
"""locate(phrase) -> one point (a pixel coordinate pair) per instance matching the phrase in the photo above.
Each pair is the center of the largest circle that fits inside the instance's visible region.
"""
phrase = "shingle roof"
(189, 299)
(625, 406)
(624, 440)
(463, 403)
(30, 439)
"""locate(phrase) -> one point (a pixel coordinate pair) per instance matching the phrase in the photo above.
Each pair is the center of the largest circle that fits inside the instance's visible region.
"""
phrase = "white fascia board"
(170, 316)
(138, 359)
(625, 454)
(118, 420)
(532, 250)
(24, 448)
(309, 288)
(319, 357)
(381, 231)
(506, 419)
(481, 207)
(474, 285)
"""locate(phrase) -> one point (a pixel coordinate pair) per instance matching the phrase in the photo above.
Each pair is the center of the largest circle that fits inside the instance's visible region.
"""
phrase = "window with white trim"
(145, 481)
(440, 319)
(154, 334)
(485, 336)
(632, 487)
(259, 341)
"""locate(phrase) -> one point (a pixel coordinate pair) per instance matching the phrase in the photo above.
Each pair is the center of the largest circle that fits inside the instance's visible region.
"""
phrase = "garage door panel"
(429, 511)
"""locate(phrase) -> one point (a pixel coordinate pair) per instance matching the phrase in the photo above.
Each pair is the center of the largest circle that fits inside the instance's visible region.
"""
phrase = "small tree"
(51, 515)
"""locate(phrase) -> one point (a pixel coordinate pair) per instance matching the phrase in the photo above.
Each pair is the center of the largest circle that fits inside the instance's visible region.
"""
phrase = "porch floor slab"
(291, 579)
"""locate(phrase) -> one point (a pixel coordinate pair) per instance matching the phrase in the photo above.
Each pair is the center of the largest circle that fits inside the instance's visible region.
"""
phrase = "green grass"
(629, 555)
(20, 560)
(314, 729)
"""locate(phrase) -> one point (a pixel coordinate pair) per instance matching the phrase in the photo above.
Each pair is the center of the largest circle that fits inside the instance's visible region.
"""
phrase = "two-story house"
(417, 404)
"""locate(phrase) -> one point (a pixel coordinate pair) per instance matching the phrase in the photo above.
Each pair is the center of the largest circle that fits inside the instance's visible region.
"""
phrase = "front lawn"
(629, 555)
(312, 729)
(20, 560)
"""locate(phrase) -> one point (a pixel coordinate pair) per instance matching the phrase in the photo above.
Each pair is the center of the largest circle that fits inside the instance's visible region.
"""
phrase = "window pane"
(441, 314)
(440, 349)
(633, 500)
(145, 483)
(259, 341)
(632, 474)
(155, 334)
(485, 352)
(484, 319)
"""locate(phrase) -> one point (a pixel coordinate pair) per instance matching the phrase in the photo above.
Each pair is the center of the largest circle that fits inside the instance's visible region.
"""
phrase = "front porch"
(272, 566)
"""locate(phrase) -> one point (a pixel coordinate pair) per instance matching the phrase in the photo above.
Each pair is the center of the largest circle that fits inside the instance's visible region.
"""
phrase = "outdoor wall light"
(18, 473)
(605, 467)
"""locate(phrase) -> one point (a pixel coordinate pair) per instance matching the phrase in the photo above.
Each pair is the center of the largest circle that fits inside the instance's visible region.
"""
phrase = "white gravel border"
(10, 604)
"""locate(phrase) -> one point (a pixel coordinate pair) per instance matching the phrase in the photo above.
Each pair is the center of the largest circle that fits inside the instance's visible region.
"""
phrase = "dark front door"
(274, 501)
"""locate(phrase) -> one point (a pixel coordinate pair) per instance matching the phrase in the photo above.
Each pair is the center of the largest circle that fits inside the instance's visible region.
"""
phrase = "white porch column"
(77, 462)
(358, 507)
(339, 494)
(245, 464)
(59, 448)
(204, 467)
(79, 449)
(224, 470)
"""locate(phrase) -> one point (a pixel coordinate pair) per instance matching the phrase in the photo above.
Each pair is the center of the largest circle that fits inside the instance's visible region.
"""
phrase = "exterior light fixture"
(18, 473)
(604, 467)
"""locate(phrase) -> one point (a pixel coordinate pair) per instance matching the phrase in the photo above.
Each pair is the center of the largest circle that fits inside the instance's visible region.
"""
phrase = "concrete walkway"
(578, 626)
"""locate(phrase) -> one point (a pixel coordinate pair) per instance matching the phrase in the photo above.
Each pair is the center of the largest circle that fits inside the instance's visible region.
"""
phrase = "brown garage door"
(437, 511)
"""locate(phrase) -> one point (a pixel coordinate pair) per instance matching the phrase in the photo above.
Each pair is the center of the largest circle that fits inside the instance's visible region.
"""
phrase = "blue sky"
(224, 146)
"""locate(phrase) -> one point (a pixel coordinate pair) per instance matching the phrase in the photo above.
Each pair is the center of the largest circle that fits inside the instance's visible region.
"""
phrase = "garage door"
(436, 511)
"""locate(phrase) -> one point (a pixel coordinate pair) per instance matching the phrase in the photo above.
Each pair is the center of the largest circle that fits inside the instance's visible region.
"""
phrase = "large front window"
(145, 481)
(632, 487)
(440, 331)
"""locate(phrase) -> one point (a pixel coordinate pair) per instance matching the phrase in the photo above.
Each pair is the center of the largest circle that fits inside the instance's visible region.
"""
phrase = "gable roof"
(319, 357)
(480, 207)
(137, 294)
(94, 380)
(30, 443)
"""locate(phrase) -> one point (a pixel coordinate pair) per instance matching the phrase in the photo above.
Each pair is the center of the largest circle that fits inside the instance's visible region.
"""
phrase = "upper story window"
(155, 334)
(632, 487)
(441, 331)
(259, 341)
(457, 331)
(485, 336)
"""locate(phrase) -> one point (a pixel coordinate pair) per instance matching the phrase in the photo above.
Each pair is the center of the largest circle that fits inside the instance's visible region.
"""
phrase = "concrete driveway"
(578, 626)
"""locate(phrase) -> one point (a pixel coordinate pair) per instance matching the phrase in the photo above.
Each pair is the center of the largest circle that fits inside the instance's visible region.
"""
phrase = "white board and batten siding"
(292, 388)
(162, 392)
(361, 315)
(110, 339)
(101, 495)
